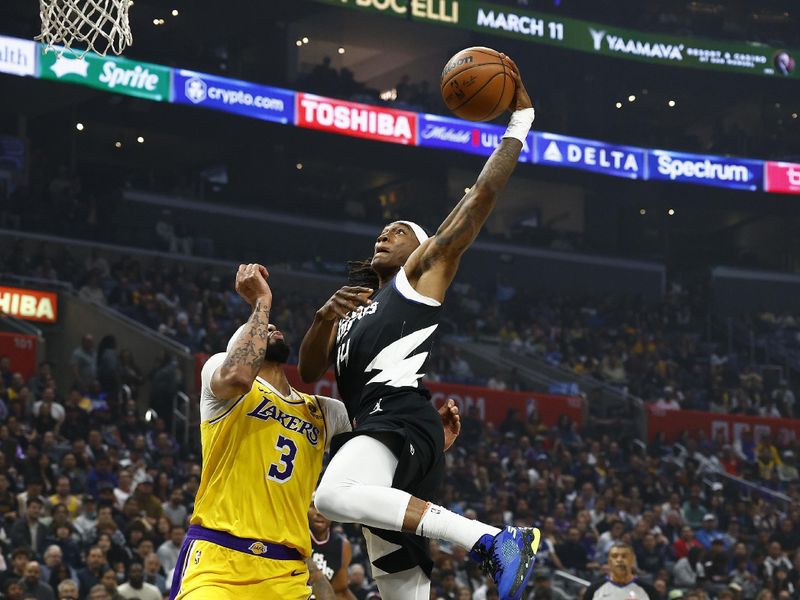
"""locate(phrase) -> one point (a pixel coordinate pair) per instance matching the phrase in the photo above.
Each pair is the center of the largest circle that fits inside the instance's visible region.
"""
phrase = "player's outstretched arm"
(316, 351)
(237, 372)
(432, 267)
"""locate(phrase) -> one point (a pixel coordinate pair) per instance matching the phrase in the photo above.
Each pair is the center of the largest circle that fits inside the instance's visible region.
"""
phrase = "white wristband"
(520, 124)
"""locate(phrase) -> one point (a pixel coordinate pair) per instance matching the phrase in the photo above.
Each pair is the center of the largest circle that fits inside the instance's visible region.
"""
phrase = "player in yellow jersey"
(263, 444)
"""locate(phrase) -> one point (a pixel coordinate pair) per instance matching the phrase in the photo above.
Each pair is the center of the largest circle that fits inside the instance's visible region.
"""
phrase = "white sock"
(439, 523)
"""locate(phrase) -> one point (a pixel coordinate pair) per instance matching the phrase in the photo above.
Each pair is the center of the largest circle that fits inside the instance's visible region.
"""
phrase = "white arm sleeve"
(336, 419)
(211, 406)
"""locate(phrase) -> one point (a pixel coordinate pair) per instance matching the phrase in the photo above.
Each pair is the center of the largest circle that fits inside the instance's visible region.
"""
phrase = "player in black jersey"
(379, 343)
(331, 552)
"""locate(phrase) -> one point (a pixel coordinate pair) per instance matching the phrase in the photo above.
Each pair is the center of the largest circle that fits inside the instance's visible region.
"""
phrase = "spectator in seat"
(147, 501)
(20, 557)
(32, 584)
(63, 496)
(136, 587)
(54, 560)
(98, 592)
(168, 551)
(175, 510)
(693, 509)
(572, 553)
(14, 591)
(67, 590)
(29, 531)
(90, 575)
(543, 588)
(776, 558)
(152, 572)
(689, 570)
(109, 582)
(84, 362)
(709, 533)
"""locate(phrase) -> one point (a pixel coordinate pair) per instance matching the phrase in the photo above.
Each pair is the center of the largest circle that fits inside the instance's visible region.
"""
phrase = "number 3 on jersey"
(283, 472)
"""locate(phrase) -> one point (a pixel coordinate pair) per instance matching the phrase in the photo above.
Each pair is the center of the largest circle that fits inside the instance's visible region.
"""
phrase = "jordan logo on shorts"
(377, 408)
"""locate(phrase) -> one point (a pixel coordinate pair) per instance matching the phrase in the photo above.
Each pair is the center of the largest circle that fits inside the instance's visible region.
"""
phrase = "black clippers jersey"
(382, 348)
(328, 554)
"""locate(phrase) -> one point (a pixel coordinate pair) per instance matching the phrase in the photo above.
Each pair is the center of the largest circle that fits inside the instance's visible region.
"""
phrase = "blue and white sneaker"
(508, 557)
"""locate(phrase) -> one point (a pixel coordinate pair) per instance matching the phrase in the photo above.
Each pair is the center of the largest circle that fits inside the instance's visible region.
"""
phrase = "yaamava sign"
(112, 74)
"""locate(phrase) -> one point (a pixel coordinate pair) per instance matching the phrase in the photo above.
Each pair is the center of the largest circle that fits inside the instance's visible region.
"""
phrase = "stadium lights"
(79, 126)
(618, 105)
(117, 144)
(305, 40)
(671, 212)
(341, 50)
(140, 139)
(466, 189)
(175, 12)
(631, 98)
(158, 22)
(298, 43)
(299, 166)
(794, 115)
(671, 103)
(642, 211)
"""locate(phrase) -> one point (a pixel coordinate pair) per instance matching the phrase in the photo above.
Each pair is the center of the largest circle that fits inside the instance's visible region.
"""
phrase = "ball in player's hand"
(477, 84)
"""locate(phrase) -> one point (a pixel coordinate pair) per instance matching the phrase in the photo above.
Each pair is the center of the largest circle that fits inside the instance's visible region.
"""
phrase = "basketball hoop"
(101, 25)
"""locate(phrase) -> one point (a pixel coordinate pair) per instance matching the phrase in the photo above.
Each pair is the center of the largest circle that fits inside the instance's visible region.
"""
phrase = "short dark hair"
(622, 545)
(34, 500)
(20, 551)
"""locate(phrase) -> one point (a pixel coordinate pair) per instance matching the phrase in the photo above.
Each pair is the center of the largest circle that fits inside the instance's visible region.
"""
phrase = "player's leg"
(408, 584)
(356, 488)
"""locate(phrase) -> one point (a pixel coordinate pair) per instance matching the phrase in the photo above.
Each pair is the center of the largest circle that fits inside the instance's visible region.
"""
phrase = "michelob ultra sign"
(29, 305)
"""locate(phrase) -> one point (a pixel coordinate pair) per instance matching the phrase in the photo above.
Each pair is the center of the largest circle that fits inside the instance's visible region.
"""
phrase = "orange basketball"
(477, 85)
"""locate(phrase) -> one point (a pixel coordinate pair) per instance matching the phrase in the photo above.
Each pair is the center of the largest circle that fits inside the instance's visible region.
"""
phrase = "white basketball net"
(101, 25)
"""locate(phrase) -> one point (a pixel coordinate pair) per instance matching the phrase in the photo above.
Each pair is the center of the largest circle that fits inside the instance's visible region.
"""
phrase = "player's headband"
(418, 231)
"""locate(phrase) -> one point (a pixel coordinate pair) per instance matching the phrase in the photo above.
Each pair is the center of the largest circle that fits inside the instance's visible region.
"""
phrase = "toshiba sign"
(30, 305)
(358, 120)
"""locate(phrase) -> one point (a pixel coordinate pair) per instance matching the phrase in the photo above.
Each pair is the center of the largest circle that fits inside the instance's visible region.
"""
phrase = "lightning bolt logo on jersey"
(382, 348)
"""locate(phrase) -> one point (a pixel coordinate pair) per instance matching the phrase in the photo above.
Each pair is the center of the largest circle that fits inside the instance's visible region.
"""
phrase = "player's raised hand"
(343, 301)
(251, 284)
(451, 422)
(521, 98)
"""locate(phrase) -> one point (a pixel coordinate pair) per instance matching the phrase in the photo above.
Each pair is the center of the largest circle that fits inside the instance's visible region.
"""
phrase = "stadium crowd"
(659, 352)
(96, 500)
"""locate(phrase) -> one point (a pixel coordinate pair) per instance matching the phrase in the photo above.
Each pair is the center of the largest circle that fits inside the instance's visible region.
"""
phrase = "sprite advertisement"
(111, 74)
(584, 36)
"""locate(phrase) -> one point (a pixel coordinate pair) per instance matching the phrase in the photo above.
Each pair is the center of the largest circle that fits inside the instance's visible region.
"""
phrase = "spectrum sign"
(716, 171)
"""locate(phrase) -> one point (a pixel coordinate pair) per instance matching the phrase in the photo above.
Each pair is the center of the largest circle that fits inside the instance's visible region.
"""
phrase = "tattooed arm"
(238, 370)
(432, 266)
(320, 586)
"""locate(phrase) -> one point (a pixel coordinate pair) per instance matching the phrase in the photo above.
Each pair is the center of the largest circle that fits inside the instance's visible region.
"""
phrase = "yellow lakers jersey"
(262, 457)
